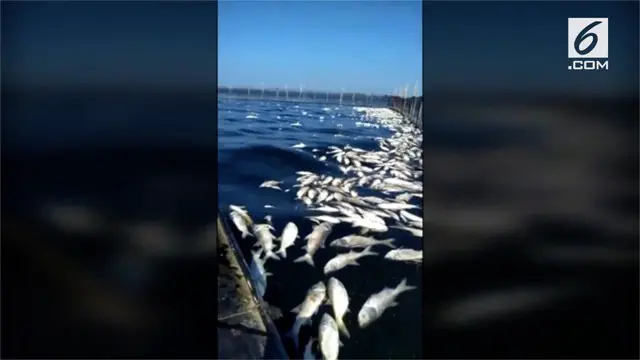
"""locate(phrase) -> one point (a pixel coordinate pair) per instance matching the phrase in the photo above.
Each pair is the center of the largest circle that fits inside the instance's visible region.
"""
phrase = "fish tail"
(368, 251)
(270, 254)
(343, 328)
(306, 258)
(293, 333)
(389, 243)
(402, 287)
(282, 252)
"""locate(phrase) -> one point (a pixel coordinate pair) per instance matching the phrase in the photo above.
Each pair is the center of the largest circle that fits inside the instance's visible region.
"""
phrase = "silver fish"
(377, 303)
(329, 338)
(413, 231)
(315, 240)
(408, 255)
(342, 260)
(396, 206)
(368, 224)
(312, 302)
(339, 302)
(302, 191)
(258, 272)
(288, 238)
(357, 241)
(240, 222)
(325, 218)
(409, 217)
(273, 184)
(265, 239)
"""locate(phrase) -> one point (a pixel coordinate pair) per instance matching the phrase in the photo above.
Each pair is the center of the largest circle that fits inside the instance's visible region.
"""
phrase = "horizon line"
(296, 90)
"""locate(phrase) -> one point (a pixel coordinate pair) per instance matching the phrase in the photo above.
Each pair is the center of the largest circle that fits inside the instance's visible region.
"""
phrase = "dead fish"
(324, 218)
(305, 311)
(273, 184)
(242, 212)
(315, 240)
(413, 231)
(240, 223)
(409, 255)
(326, 209)
(409, 217)
(265, 239)
(302, 191)
(342, 260)
(288, 238)
(329, 338)
(357, 241)
(396, 206)
(339, 299)
(377, 303)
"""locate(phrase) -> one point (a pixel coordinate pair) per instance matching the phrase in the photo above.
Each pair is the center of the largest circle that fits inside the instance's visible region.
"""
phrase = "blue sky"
(367, 46)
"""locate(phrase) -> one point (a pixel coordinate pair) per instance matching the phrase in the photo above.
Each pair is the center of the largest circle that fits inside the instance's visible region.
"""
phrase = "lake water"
(255, 140)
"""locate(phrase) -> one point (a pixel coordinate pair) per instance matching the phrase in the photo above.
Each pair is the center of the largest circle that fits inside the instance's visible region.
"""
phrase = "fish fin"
(402, 287)
(341, 344)
(293, 333)
(389, 243)
(296, 309)
(354, 263)
(343, 328)
(367, 251)
(271, 255)
(392, 304)
(268, 274)
(364, 231)
(306, 258)
(283, 253)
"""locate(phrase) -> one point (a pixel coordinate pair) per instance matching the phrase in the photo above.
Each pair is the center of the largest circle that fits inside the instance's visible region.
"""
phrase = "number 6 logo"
(584, 35)
(588, 38)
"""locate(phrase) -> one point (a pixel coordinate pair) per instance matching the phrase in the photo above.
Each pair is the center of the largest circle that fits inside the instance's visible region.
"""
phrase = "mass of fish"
(394, 174)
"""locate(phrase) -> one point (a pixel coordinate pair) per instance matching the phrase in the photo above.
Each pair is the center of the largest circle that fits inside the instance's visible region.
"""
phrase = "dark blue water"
(254, 144)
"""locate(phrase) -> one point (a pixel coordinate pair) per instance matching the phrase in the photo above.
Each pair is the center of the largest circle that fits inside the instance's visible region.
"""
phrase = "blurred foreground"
(106, 254)
(531, 235)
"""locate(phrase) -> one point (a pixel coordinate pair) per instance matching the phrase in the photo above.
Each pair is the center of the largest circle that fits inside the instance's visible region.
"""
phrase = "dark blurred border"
(127, 269)
(531, 188)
